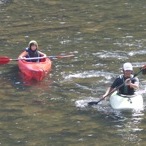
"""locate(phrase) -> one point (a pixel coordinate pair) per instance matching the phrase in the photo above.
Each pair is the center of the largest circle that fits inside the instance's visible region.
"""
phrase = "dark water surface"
(103, 35)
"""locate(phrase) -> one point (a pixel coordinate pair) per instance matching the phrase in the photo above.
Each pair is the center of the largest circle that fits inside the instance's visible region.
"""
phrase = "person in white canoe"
(130, 83)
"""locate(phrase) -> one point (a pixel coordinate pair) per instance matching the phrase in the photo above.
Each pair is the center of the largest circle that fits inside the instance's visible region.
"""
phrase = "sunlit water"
(102, 35)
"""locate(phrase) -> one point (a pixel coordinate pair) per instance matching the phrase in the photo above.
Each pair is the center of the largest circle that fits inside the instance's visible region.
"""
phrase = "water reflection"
(130, 127)
(121, 126)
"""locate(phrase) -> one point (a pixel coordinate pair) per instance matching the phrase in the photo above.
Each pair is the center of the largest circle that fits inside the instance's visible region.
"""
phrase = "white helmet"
(127, 66)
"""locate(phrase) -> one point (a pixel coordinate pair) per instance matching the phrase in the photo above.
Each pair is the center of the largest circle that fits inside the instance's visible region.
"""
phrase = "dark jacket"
(126, 90)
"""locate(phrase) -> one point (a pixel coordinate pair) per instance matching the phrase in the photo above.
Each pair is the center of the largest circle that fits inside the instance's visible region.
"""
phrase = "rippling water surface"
(102, 35)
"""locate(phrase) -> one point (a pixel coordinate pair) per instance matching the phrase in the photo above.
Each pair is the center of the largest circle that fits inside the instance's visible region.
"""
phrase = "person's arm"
(112, 88)
(23, 55)
(42, 54)
(108, 91)
(134, 85)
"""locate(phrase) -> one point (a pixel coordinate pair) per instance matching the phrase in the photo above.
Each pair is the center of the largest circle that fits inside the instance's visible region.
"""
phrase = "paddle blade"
(92, 103)
(4, 60)
(95, 102)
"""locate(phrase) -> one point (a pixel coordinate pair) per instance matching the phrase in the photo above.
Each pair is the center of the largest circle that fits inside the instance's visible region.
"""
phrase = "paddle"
(115, 89)
(5, 59)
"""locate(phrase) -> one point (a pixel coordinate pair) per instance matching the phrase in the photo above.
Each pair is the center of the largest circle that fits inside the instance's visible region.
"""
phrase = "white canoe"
(124, 102)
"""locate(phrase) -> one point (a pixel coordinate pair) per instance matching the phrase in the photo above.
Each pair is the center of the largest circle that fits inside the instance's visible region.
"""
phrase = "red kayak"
(35, 70)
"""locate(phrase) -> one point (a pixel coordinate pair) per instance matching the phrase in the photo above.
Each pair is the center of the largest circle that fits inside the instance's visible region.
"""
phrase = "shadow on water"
(12, 75)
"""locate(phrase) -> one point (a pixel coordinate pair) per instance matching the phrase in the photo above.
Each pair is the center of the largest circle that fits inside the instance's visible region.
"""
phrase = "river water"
(103, 35)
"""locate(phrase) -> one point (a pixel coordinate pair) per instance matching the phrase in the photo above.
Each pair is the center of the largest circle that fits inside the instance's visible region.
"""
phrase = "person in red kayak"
(32, 52)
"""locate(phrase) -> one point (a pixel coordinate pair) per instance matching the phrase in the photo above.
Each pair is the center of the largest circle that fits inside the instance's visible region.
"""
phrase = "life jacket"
(32, 54)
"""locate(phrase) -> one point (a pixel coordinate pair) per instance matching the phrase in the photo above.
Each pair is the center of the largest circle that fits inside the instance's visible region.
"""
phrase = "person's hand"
(104, 97)
(144, 67)
(127, 81)
(45, 56)
(22, 58)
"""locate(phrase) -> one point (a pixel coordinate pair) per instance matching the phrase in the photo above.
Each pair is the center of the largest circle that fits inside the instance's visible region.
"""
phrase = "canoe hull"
(35, 70)
(126, 102)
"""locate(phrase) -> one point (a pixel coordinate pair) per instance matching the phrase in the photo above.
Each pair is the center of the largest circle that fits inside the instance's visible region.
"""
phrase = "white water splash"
(89, 74)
